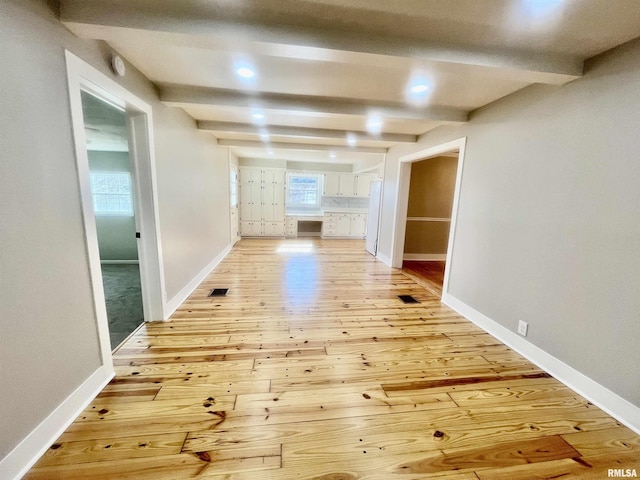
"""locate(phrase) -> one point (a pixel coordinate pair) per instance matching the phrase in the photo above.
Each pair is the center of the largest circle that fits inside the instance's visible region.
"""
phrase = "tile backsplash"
(345, 202)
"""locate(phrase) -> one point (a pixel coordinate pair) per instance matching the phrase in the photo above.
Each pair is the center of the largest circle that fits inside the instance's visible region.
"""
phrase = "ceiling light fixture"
(332, 155)
(264, 136)
(374, 124)
(258, 116)
(418, 89)
(351, 139)
(245, 72)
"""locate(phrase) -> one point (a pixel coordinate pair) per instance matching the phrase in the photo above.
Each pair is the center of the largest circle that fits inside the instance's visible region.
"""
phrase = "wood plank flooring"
(429, 275)
(312, 368)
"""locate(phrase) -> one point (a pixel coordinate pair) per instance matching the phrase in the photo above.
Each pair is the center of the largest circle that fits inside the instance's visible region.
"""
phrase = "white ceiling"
(324, 67)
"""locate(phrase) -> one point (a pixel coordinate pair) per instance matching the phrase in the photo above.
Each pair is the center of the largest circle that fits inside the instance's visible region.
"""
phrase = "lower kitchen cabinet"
(344, 225)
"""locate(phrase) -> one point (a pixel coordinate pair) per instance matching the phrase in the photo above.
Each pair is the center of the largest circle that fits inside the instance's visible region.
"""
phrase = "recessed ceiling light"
(246, 72)
(351, 140)
(332, 155)
(374, 124)
(264, 136)
(270, 152)
(420, 88)
(258, 116)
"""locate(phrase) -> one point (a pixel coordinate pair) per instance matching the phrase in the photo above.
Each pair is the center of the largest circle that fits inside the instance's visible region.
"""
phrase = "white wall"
(48, 340)
(548, 225)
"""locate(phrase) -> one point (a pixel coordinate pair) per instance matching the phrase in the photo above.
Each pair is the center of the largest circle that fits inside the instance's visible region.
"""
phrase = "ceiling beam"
(282, 131)
(181, 95)
(299, 146)
(197, 18)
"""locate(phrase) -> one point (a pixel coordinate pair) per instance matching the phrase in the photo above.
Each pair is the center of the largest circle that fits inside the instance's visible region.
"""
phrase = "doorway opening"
(431, 189)
(125, 183)
(426, 210)
(112, 191)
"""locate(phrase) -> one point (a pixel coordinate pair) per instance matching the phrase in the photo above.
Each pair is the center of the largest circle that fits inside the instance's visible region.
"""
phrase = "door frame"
(402, 201)
(83, 77)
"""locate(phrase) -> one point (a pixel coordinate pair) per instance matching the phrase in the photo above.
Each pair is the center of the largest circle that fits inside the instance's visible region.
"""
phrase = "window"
(111, 193)
(304, 190)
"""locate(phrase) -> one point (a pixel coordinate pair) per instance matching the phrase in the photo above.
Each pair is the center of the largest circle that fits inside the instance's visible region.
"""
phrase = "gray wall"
(116, 233)
(193, 186)
(48, 340)
(548, 225)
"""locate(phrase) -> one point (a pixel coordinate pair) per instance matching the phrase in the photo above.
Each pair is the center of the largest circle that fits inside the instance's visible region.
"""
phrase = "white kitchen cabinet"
(339, 184)
(262, 201)
(273, 229)
(330, 225)
(363, 184)
(291, 227)
(273, 176)
(344, 225)
(358, 225)
(273, 202)
(251, 229)
(347, 185)
(331, 184)
(251, 202)
(250, 175)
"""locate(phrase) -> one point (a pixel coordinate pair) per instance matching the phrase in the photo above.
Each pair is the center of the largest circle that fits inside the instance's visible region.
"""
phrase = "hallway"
(312, 368)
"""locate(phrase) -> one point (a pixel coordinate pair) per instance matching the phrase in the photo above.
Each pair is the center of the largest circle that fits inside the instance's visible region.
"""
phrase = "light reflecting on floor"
(300, 273)
(298, 247)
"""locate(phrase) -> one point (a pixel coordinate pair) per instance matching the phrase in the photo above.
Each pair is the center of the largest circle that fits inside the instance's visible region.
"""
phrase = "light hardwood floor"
(429, 275)
(311, 368)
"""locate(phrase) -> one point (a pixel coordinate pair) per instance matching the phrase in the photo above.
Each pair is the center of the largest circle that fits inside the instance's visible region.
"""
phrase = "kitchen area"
(291, 203)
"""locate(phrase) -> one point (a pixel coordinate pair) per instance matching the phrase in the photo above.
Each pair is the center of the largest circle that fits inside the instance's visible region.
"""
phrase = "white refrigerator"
(373, 217)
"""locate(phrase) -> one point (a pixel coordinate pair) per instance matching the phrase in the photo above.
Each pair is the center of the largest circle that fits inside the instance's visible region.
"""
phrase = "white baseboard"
(616, 406)
(119, 262)
(425, 257)
(384, 259)
(172, 305)
(18, 462)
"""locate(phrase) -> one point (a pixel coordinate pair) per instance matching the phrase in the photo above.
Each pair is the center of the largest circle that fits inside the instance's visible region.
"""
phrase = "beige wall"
(548, 226)
(431, 190)
(48, 337)
(426, 238)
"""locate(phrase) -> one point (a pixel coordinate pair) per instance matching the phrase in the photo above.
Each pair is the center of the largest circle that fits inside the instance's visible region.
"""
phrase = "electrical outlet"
(522, 328)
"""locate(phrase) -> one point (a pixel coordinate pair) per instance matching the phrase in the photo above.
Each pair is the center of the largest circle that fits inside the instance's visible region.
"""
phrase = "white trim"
(427, 219)
(402, 201)
(119, 262)
(173, 304)
(18, 462)
(616, 406)
(82, 76)
(384, 259)
(425, 257)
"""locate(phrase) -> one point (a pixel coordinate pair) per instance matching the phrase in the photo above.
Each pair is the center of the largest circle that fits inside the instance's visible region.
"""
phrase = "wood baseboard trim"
(610, 402)
(172, 305)
(425, 257)
(18, 462)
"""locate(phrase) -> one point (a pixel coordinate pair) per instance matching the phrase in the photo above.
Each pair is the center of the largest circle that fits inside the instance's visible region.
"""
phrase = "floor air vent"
(408, 299)
(218, 292)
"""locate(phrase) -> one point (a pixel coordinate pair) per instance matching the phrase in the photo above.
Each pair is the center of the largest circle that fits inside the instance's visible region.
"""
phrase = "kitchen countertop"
(326, 210)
